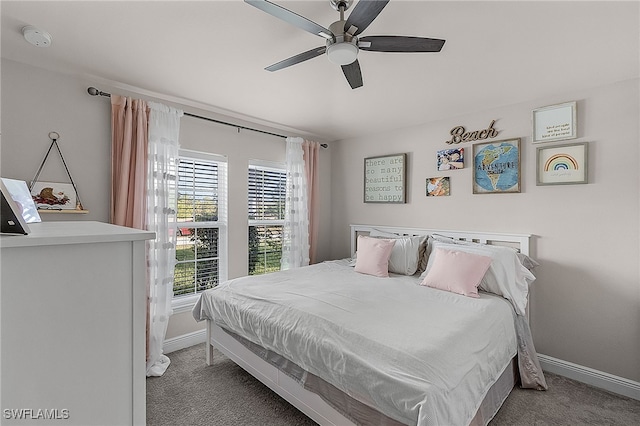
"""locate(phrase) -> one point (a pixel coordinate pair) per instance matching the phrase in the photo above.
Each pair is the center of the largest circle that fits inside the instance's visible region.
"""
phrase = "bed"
(346, 344)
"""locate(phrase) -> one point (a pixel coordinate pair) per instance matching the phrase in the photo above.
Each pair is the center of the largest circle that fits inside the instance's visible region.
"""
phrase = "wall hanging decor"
(460, 134)
(496, 167)
(555, 122)
(54, 196)
(450, 159)
(562, 164)
(438, 186)
(384, 179)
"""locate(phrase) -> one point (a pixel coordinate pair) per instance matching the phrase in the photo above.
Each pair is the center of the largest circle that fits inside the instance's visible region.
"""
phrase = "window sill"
(184, 303)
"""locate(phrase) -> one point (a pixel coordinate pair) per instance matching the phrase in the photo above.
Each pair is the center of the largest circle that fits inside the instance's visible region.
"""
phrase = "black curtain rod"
(95, 92)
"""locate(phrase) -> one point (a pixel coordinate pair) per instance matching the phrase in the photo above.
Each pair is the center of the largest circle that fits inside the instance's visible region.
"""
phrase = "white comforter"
(419, 355)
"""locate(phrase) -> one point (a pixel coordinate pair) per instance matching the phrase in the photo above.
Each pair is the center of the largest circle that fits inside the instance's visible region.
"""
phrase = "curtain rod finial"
(95, 92)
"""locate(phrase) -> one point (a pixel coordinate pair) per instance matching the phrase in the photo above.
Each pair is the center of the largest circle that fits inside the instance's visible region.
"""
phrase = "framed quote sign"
(384, 179)
(554, 123)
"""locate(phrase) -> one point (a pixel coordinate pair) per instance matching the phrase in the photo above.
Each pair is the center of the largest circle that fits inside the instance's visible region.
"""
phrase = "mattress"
(418, 355)
(353, 410)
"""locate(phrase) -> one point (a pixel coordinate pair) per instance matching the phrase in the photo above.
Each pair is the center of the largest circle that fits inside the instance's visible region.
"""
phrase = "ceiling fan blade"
(291, 17)
(363, 14)
(301, 57)
(400, 44)
(353, 74)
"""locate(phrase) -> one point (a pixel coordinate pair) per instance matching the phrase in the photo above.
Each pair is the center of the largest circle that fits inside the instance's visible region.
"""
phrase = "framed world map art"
(496, 167)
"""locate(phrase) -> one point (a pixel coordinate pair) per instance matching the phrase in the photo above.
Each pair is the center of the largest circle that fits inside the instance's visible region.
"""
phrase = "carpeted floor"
(191, 394)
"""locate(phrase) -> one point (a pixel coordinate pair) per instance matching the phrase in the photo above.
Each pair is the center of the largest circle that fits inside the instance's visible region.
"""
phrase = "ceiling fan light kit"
(342, 53)
(342, 48)
(342, 43)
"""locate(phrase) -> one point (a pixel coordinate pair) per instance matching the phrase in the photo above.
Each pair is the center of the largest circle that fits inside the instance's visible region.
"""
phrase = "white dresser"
(73, 315)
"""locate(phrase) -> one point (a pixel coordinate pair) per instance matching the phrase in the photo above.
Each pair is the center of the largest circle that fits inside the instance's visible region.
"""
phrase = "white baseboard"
(606, 381)
(184, 341)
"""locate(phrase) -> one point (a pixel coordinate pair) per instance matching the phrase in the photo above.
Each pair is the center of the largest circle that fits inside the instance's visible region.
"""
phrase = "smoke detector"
(36, 36)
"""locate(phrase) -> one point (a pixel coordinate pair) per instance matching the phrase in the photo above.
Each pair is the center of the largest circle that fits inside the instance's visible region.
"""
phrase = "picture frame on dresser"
(10, 214)
(19, 191)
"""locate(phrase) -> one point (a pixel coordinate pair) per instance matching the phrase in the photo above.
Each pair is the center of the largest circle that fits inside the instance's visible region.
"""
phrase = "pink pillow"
(457, 271)
(372, 257)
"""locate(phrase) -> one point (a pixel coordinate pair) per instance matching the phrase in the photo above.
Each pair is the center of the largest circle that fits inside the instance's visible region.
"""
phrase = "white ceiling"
(213, 53)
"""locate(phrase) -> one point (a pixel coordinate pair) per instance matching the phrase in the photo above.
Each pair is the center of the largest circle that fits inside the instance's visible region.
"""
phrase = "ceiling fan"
(342, 41)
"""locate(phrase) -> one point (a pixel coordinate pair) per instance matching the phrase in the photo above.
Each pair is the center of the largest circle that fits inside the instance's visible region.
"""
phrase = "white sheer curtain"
(164, 128)
(295, 244)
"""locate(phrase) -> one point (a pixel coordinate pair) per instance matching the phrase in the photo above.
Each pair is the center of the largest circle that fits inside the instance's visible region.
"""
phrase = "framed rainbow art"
(562, 164)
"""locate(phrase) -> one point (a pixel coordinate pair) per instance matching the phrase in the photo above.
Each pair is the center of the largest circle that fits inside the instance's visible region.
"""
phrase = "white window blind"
(266, 198)
(201, 223)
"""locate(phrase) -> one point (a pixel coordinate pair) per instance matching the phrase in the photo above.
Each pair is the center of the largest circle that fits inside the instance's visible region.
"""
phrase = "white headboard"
(518, 241)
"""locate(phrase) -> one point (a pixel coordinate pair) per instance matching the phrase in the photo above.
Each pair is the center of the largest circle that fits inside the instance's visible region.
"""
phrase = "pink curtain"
(129, 141)
(311, 155)
(129, 136)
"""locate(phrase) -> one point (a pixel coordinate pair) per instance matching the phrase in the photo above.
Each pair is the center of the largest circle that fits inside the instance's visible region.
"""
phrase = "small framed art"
(562, 164)
(384, 179)
(10, 214)
(54, 196)
(496, 167)
(450, 159)
(438, 187)
(555, 122)
(22, 198)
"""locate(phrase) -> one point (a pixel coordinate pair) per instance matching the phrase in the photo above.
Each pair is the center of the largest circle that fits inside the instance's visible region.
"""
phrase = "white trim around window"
(266, 204)
(217, 184)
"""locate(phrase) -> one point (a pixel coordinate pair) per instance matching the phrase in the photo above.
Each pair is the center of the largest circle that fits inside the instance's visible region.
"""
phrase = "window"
(201, 223)
(267, 192)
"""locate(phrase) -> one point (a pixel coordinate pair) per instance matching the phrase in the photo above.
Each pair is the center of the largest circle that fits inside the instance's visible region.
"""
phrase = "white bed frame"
(518, 241)
(308, 402)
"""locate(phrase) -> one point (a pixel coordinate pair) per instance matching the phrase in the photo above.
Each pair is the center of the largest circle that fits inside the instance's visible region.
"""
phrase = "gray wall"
(586, 301)
(585, 306)
(37, 101)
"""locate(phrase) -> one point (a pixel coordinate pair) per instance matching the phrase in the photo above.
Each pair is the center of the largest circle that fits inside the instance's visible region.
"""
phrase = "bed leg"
(208, 349)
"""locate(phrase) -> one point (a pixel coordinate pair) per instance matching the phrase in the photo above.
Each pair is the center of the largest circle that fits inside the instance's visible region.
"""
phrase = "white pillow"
(404, 256)
(526, 261)
(506, 276)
